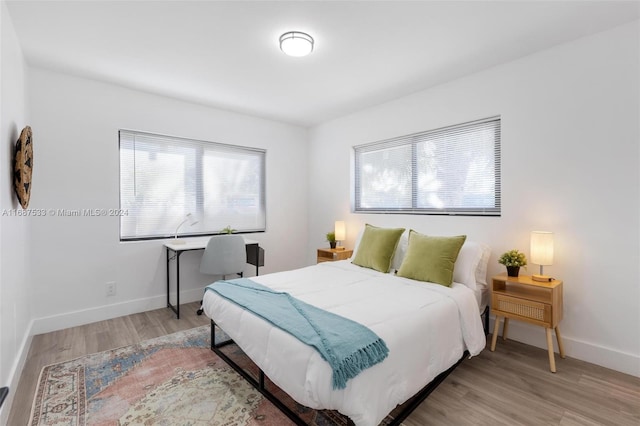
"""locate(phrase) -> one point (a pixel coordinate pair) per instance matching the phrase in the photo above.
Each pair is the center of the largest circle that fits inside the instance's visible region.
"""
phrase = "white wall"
(76, 167)
(570, 159)
(15, 306)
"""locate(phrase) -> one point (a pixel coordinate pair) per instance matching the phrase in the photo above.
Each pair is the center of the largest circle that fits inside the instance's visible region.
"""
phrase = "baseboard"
(600, 355)
(100, 313)
(16, 372)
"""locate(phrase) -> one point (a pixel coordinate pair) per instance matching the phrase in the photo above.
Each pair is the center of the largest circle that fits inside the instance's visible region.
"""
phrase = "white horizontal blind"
(164, 178)
(453, 170)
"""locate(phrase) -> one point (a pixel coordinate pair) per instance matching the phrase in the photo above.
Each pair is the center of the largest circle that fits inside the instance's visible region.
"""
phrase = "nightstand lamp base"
(541, 278)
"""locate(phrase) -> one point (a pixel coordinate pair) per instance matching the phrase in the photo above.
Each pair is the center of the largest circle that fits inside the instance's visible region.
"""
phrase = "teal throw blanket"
(349, 347)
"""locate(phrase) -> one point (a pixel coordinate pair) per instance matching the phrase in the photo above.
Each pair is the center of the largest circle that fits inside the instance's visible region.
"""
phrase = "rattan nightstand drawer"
(522, 308)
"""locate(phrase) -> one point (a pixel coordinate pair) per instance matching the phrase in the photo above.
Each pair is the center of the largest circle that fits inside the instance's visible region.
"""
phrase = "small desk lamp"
(341, 232)
(188, 218)
(541, 252)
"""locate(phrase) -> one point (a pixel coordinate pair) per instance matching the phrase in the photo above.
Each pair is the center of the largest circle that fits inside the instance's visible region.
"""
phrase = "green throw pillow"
(431, 258)
(376, 247)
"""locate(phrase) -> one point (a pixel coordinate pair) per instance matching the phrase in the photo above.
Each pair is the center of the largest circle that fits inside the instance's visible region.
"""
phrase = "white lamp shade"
(295, 43)
(340, 230)
(542, 248)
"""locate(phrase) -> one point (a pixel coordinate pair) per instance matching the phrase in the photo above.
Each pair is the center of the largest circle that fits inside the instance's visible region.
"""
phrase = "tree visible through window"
(454, 170)
(163, 178)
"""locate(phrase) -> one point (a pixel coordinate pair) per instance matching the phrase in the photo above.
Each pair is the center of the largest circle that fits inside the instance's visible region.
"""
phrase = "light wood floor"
(511, 386)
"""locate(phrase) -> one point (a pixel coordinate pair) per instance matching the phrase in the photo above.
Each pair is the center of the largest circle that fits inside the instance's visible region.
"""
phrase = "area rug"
(170, 380)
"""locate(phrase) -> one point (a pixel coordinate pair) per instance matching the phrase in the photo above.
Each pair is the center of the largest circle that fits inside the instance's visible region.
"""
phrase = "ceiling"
(226, 54)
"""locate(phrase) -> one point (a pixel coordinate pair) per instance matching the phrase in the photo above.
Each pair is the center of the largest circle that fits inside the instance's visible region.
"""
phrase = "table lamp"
(188, 218)
(541, 252)
(340, 231)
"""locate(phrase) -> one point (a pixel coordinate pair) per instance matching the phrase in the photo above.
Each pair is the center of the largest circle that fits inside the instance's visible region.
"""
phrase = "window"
(164, 178)
(453, 170)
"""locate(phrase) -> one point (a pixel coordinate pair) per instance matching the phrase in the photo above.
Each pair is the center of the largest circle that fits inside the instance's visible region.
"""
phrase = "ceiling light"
(295, 43)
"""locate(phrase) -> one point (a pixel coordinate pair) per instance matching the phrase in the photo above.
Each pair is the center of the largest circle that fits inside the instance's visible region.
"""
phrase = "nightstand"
(331, 255)
(535, 302)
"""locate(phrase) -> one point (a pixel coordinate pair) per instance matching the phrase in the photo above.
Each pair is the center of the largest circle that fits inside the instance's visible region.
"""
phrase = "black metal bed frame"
(4, 391)
(259, 384)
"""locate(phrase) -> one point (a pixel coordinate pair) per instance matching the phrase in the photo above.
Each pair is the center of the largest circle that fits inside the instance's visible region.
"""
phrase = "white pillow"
(481, 270)
(401, 251)
(469, 259)
(358, 239)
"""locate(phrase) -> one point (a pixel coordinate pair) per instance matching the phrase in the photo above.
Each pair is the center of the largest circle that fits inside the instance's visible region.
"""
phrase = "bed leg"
(215, 345)
(213, 334)
(486, 320)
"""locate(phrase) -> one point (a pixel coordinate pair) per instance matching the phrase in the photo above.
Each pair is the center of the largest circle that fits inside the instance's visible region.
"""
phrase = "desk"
(255, 257)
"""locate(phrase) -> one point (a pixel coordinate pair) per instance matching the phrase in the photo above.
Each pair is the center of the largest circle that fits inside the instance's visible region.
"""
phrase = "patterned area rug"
(170, 380)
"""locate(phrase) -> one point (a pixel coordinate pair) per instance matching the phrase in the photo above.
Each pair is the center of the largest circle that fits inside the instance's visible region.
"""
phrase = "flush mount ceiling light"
(295, 43)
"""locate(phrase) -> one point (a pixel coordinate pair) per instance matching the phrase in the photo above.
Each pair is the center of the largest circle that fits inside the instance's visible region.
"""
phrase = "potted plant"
(227, 230)
(331, 237)
(513, 260)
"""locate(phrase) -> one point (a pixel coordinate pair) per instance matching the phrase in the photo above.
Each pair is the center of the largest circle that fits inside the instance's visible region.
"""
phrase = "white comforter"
(426, 327)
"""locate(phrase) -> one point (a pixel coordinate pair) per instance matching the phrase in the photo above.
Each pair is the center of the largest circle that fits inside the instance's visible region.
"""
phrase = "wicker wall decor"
(23, 167)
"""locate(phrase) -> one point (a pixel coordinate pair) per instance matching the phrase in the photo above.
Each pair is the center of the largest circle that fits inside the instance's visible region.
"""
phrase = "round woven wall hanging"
(23, 167)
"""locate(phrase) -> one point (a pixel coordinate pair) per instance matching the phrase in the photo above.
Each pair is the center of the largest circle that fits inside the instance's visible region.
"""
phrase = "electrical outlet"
(111, 288)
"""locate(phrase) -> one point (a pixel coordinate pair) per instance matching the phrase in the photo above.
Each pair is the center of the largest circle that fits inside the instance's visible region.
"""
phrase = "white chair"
(224, 255)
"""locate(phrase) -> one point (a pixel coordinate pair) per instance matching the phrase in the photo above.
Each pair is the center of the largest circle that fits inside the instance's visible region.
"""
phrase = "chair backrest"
(224, 255)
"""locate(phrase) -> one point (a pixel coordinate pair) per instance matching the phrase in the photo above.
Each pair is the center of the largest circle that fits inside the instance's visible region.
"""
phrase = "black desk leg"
(168, 300)
(176, 308)
(178, 284)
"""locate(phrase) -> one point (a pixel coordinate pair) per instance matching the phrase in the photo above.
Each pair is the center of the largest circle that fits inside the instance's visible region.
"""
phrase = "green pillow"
(431, 258)
(376, 247)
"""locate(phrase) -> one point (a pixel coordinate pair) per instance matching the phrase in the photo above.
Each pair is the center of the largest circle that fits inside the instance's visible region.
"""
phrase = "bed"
(428, 329)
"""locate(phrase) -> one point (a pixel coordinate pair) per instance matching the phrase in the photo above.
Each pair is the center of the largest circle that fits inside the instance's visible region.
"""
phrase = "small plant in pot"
(228, 230)
(331, 237)
(513, 260)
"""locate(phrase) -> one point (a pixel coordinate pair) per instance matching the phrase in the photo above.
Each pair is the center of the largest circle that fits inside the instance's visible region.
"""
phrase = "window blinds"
(453, 170)
(163, 178)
